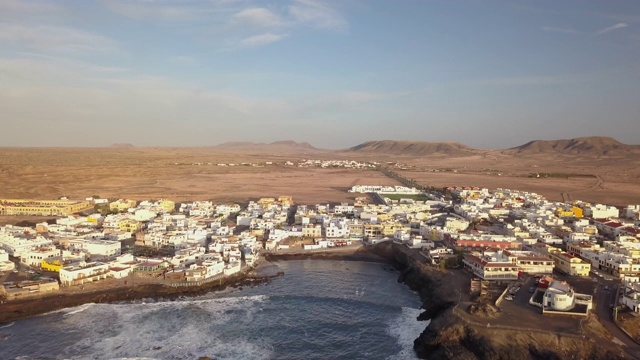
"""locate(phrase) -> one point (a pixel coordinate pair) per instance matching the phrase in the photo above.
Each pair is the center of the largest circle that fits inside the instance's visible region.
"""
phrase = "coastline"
(264, 270)
(448, 335)
(24, 308)
(451, 335)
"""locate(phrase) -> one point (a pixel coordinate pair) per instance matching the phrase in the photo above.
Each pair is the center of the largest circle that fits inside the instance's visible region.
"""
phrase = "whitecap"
(78, 309)
(6, 326)
(173, 329)
(406, 328)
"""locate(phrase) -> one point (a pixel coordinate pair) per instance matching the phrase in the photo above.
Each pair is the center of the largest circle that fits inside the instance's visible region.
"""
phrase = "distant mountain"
(231, 144)
(414, 148)
(283, 145)
(121, 145)
(583, 146)
(304, 145)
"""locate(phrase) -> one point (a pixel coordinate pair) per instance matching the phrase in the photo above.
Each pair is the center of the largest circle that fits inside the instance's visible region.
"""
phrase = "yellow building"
(389, 229)
(129, 225)
(577, 212)
(313, 231)
(356, 231)
(570, 264)
(266, 201)
(51, 265)
(167, 205)
(257, 232)
(122, 205)
(372, 230)
(573, 212)
(42, 207)
(285, 200)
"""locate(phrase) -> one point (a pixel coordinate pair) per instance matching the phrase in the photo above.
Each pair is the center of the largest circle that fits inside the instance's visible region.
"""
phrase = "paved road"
(604, 299)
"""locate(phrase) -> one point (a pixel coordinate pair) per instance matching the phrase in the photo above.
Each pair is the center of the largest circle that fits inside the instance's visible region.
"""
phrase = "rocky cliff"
(449, 337)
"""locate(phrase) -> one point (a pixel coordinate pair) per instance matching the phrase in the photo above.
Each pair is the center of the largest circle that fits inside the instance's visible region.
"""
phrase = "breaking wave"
(166, 330)
(318, 310)
(405, 328)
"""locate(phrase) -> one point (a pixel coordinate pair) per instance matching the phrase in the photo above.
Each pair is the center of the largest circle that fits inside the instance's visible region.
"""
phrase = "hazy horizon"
(489, 75)
(231, 144)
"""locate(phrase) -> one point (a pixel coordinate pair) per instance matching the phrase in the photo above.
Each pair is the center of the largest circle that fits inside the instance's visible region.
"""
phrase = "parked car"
(508, 297)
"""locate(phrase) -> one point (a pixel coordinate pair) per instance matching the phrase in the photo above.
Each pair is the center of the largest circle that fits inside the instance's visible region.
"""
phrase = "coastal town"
(502, 238)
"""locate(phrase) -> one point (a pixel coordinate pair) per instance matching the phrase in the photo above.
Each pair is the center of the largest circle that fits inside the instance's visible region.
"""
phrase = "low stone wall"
(501, 297)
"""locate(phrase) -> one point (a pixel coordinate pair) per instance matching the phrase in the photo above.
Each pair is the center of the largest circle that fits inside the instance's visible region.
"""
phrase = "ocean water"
(318, 310)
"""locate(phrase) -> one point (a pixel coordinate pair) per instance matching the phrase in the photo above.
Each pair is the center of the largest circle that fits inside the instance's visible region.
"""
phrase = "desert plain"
(184, 174)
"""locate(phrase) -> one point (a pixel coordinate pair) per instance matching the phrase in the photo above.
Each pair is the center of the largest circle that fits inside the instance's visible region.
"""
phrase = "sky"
(488, 74)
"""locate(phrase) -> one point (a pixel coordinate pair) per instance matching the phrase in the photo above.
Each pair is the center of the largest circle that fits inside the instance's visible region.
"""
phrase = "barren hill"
(414, 148)
(122, 146)
(583, 146)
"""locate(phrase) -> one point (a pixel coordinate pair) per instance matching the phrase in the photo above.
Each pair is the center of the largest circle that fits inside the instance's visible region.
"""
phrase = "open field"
(604, 180)
(192, 174)
(153, 173)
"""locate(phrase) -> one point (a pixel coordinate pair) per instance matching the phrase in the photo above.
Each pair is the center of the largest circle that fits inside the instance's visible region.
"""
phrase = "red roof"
(500, 264)
(631, 230)
(613, 224)
(118, 268)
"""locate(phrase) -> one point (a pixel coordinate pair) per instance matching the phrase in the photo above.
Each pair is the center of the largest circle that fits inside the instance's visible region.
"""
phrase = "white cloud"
(56, 38)
(56, 103)
(13, 9)
(261, 40)
(611, 28)
(318, 15)
(165, 12)
(258, 17)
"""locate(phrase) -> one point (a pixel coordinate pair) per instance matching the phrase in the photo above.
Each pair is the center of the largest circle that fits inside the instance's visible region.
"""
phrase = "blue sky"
(490, 74)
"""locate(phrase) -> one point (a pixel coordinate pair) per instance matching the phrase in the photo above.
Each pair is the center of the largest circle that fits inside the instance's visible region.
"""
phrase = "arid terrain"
(179, 174)
(594, 170)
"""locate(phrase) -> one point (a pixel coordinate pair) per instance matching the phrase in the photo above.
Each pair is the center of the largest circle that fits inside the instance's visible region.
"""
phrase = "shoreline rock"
(449, 337)
(20, 309)
(446, 337)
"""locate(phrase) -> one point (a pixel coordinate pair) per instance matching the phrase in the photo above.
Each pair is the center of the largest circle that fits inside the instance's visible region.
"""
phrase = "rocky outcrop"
(24, 308)
(449, 337)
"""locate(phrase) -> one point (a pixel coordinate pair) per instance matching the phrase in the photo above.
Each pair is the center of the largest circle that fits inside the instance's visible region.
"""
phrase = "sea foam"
(406, 328)
(167, 330)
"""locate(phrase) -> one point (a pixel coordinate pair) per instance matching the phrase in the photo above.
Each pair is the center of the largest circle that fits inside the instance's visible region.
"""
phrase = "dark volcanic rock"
(448, 337)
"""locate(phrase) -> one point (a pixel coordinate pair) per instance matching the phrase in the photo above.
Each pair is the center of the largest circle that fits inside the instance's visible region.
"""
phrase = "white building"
(232, 268)
(18, 246)
(35, 256)
(600, 211)
(631, 297)
(633, 212)
(97, 247)
(227, 209)
(559, 297)
(490, 270)
(83, 273)
(5, 263)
